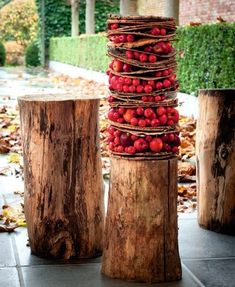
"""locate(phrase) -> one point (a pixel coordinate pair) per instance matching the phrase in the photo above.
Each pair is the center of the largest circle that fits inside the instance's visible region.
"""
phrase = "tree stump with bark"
(141, 233)
(215, 151)
(64, 206)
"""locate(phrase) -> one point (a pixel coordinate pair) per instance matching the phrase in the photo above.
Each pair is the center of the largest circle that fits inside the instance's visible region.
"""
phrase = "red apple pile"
(127, 142)
(142, 82)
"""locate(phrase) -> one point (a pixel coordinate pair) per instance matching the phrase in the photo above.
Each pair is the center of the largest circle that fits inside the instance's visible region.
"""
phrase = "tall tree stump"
(215, 151)
(141, 233)
(63, 201)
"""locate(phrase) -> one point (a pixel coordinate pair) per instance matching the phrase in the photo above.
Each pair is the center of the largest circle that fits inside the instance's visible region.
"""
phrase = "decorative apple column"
(141, 233)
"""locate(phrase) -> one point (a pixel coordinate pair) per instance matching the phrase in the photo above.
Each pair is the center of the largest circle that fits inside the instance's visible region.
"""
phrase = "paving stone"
(85, 275)
(214, 273)
(9, 277)
(196, 242)
(6, 251)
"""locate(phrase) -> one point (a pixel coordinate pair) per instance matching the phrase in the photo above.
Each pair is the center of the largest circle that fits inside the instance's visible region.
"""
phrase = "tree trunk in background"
(215, 150)
(74, 18)
(171, 9)
(90, 16)
(42, 33)
(128, 7)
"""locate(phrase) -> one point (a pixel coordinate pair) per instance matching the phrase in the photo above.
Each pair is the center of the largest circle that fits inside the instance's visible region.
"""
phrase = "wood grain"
(141, 233)
(64, 205)
(215, 149)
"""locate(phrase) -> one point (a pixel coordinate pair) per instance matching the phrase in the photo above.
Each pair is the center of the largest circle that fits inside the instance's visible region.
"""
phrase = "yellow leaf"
(14, 158)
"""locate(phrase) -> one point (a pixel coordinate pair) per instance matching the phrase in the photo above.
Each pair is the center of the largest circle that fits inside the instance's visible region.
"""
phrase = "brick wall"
(206, 10)
(192, 10)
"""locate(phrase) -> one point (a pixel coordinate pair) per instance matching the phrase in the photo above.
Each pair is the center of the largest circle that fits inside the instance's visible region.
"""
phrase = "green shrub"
(32, 57)
(206, 56)
(2, 54)
(85, 51)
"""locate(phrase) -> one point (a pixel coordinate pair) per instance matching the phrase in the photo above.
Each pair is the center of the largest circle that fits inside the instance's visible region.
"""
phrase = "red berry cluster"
(135, 85)
(120, 142)
(144, 117)
(142, 83)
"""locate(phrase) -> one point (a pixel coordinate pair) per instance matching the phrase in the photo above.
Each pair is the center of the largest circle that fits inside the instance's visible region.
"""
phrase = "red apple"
(148, 49)
(158, 74)
(142, 123)
(160, 111)
(139, 89)
(134, 137)
(140, 111)
(156, 145)
(131, 150)
(157, 98)
(129, 114)
(166, 83)
(175, 149)
(159, 85)
(136, 55)
(114, 26)
(134, 122)
(148, 89)
(132, 89)
(148, 112)
(171, 137)
(163, 32)
(163, 120)
(155, 123)
(148, 138)
(143, 58)
(130, 38)
(111, 146)
(120, 120)
(125, 89)
(144, 99)
(155, 31)
(117, 66)
(120, 149)
(152, 58)
(151, 83)
(135, 82)
(125, 139)
(129, 54)
(141, 145)
(126, 68)
(127, 81)
(122, 38)
(121, 111)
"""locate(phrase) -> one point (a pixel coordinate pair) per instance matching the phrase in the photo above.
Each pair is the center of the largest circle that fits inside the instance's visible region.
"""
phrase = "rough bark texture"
(215, 150)
(128, 7)
(64, 205)
(141, 233)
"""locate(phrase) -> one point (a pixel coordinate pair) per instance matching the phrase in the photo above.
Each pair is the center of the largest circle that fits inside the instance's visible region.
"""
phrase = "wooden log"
(63, 201)
(141, 233)
(215, 149)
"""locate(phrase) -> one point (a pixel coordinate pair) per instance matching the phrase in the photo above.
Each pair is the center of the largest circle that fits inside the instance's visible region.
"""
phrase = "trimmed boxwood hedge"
(85, 51)
(206, 55)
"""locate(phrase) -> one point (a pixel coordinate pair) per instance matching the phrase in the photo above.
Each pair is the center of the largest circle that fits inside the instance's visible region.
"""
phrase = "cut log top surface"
(217, 92)
(58, 97)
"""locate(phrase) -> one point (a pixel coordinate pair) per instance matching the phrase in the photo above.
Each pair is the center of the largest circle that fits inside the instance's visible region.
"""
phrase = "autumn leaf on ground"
(14, 158)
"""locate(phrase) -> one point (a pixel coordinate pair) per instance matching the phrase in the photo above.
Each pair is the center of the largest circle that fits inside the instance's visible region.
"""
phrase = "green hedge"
(2, 54)
(206, 55)
(85, 51)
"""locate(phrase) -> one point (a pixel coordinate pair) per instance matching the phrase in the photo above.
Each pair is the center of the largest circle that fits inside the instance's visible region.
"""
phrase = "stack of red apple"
(142, 82)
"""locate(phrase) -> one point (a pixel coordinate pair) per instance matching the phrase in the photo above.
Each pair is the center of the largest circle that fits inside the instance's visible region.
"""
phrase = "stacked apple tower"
(142, 82)
(141, 232)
